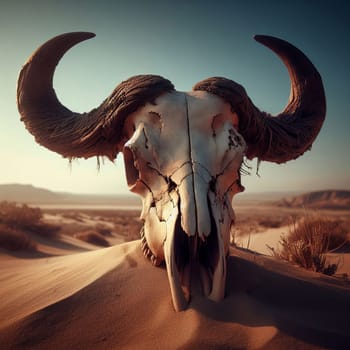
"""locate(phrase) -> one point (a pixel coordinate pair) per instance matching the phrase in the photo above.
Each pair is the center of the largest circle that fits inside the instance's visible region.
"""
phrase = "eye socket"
(151, 118)
(219, 120)
(155, 117)
(132, 173)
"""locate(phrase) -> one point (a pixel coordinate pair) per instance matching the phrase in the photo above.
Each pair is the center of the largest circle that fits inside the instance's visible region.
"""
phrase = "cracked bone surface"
(183, 157)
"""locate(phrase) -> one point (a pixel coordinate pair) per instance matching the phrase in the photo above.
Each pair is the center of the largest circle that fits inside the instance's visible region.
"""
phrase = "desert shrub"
(45, 230)
(337, 233)
(309, 241)
(19, 216)
(24, 218)
(14, 240)
(92, 237)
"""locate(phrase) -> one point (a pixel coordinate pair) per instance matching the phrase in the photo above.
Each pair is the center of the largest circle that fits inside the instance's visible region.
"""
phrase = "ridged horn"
(74, 135)
(288, 135)
(53, 125)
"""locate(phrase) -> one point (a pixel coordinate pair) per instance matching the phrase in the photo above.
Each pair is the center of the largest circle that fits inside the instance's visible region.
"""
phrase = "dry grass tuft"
(92, 237)
(19, 216)
(16, 221)
(308, 242)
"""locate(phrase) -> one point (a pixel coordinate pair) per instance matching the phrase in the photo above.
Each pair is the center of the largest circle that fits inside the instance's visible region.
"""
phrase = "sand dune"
(31, 285)
(259, 242)
(113, 298)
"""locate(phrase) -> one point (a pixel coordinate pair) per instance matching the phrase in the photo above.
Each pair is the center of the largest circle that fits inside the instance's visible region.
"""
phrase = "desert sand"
(73, 295)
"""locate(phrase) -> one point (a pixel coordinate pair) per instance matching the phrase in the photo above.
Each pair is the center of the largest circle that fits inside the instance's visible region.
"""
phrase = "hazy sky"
(184, 41)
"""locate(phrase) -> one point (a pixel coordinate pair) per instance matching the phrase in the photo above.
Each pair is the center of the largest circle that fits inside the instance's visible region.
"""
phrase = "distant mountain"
(330, 199)
(34, 195)
(28, 193)
(261, 197)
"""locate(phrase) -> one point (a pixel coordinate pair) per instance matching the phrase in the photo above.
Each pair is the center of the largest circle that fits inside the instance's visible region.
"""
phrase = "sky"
(185, 42)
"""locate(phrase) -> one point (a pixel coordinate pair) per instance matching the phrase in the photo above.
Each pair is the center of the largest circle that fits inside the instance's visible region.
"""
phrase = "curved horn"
(289, 134)
(73, 135)
(53, 125)
(295, 129)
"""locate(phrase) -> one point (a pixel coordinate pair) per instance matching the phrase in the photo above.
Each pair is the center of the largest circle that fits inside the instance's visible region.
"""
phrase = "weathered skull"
(183, 157)
(183, 151)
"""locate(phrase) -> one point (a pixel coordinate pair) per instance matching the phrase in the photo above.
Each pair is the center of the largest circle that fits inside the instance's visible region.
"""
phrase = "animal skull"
(183, 151)
(187, 169)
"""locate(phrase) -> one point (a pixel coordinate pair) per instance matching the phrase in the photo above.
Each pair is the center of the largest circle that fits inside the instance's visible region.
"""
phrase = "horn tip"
(81, 35)
(73, 37)
(263, 38)
(89, 35)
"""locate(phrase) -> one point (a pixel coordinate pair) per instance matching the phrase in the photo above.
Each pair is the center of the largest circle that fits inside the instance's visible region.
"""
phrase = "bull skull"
(183, 157)
(183, 151)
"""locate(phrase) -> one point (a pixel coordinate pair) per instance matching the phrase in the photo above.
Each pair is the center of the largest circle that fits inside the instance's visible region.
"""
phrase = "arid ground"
(84, 284)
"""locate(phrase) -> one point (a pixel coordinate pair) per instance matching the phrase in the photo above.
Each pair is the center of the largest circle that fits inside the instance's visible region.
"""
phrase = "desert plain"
(88, 286)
